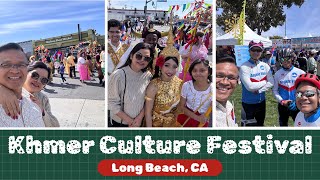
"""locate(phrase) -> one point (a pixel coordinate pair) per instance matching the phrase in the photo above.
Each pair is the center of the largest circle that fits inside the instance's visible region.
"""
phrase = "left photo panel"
(50, 64)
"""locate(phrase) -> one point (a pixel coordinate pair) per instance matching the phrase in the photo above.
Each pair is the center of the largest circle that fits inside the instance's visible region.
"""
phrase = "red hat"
(311, 78)
(254, 44)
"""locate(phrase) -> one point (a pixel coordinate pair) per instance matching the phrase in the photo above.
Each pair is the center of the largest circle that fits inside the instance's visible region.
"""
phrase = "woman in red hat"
(308, 100)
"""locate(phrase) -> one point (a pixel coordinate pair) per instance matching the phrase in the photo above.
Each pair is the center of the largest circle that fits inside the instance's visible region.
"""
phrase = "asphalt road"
(74, 89)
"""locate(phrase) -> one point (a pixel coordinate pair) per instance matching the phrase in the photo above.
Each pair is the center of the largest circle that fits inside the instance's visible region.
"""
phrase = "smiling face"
(226, 81)
(138, 64)
(307, 104)
(151, 39)
(255, 53)
(33, 85)
(287, 63)
(114, 34)
(13, 77)
(169, 70)
(200, 72)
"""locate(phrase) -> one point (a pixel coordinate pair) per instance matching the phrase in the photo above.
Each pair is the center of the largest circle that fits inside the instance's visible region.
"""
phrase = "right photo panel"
(267, 66)
(160, 63)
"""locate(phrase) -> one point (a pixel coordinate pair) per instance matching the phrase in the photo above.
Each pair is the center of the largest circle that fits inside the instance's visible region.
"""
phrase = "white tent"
(249, 35)
(219, 31)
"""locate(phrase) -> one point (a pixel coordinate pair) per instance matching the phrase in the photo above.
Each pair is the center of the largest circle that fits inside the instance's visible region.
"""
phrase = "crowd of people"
(293, 78)
(86, 61)
(147, 86)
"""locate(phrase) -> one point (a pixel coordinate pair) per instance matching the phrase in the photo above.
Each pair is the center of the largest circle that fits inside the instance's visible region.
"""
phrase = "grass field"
(271, 119)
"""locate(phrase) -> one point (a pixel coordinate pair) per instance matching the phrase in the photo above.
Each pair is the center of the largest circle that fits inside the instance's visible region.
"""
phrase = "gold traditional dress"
(166, 100)
(116, 55)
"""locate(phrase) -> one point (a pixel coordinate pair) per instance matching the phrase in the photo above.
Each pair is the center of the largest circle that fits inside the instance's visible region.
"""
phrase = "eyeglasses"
(307, 93)
(139, 57)
(220, 77)
(36, 76)
(11, 66)
(256, 50)
(117, 32)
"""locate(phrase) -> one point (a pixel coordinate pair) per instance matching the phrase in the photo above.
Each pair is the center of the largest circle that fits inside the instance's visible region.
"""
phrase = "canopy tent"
(249, 35)
(219, 31)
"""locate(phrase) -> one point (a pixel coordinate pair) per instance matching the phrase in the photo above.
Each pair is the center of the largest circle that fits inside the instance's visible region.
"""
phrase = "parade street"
(77, 104)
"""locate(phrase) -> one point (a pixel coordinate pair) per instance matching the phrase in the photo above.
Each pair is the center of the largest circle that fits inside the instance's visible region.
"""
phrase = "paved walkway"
(79, 112)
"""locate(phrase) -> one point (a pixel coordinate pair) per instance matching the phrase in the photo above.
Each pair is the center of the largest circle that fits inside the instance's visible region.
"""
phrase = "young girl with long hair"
(196, 96)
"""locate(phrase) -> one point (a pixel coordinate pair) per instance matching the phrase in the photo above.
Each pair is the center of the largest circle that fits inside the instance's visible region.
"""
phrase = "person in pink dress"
(199, 51)
(83, 67)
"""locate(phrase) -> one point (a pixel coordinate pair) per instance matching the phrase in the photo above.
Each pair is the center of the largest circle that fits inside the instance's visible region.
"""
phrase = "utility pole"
(145, 12)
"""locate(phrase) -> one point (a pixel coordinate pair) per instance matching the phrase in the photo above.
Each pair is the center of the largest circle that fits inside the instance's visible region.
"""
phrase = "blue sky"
(32, 20)
(300, 21)
(139, 4)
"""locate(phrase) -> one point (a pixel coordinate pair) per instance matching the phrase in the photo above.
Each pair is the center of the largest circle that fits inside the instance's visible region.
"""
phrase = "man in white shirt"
(226, 82)
(13, 73)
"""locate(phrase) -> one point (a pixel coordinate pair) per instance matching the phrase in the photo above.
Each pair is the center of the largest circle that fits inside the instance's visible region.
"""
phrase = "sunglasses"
(307, 93)
(139, 57)
(256, 50)
(116, 32)
(36, 76)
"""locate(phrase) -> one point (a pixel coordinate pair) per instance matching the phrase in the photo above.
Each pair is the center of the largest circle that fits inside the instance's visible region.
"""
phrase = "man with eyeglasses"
(13, 73)
(117, 51)
(227, 76)
(284, 89)
(256, 78)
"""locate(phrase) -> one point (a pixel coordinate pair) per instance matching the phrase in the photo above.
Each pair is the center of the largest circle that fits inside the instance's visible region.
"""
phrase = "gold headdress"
(170, 50)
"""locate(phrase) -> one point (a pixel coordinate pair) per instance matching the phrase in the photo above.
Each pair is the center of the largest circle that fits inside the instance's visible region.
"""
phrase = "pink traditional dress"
(198, 52)
(83, 69)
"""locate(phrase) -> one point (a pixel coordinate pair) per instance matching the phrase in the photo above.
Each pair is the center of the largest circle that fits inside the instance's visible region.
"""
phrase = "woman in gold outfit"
(163, 92)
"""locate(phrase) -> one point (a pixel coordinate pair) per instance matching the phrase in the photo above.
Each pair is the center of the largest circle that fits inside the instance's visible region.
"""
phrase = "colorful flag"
(184, 7)
(178, 7)
(181, 26)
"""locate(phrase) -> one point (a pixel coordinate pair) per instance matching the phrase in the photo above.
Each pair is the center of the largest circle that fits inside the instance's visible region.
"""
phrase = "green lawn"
(271, 119)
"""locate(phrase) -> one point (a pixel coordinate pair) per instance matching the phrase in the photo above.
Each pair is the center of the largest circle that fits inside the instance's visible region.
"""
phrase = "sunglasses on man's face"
(307, 93)
(139, 57)
(36, 76)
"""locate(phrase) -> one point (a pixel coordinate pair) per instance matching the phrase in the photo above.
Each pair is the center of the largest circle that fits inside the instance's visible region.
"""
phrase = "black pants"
(254, 111)
(62, 78)
(116, 124)
(284, 114)
(72, 70)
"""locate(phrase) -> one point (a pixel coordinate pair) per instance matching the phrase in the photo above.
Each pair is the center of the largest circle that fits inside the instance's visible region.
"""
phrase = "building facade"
(27, 47)
(123, 14)
(65, 41)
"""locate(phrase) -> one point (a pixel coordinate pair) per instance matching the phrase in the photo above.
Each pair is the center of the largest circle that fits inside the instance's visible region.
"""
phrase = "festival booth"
(229, 39)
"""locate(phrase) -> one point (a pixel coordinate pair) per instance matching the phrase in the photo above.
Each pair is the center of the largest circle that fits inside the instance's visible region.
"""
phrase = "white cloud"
(32, 24)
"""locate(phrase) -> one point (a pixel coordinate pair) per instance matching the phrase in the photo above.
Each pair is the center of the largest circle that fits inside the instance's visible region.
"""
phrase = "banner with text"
(162, 154)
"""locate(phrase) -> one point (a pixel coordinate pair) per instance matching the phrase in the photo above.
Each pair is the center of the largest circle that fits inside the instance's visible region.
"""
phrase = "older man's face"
(226, 81)
(13, 69)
